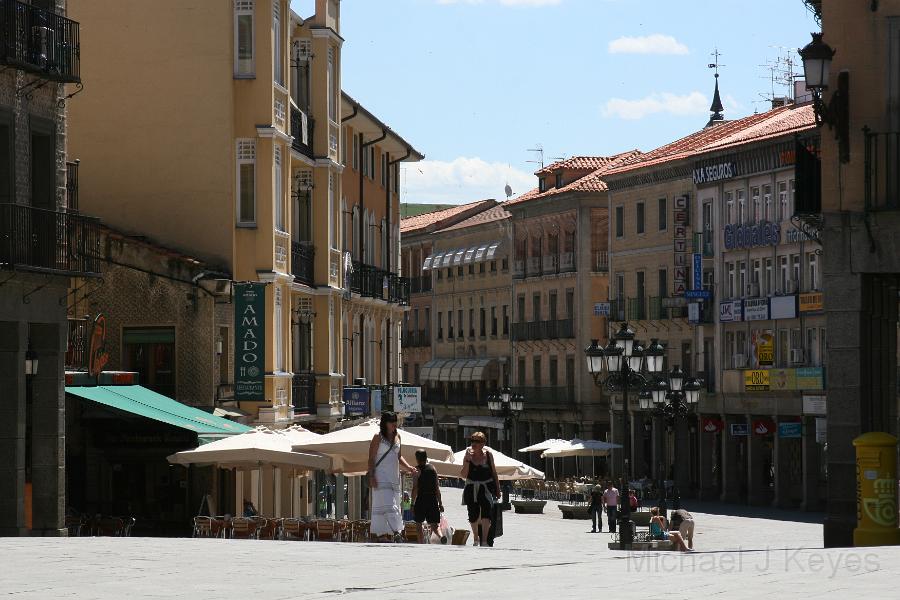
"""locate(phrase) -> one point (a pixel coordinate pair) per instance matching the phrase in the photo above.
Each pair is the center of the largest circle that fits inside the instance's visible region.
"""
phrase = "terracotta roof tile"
(497, 213)
(577, 163)
(411, 224)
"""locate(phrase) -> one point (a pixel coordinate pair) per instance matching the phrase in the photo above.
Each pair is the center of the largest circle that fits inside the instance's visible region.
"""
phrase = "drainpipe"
(387, 212)
(362, 152)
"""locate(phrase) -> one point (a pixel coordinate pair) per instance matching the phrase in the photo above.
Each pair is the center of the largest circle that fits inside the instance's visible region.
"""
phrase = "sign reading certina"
(249, 341)
(711, 173)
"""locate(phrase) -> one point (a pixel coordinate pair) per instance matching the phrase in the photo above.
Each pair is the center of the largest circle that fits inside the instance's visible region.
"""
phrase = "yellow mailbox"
(876, 490)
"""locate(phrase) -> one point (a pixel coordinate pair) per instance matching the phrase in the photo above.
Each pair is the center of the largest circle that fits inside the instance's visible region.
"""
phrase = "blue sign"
(356, 401)
(740, 429)
(698, 271)
(790, 430)
(601, 309)
(701, 294)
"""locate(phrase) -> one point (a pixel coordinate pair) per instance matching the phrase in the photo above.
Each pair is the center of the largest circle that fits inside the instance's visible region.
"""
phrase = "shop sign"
(740, 429)
(783, 307)
(712, 173)
(698, 271)
(730, 310)
(751, 236)
(763, 427)
(710, 425)
(790, 430)
(356, 401)
(821, 430)
(756, 380)
(811, 378)
(794, 236)
(812, 302)
(249, 341)
(763, 343)
(680, 240)
(756, 309)
(814, 405)
(407, 399)
(98, 356)
(781, 380)
(601, 309)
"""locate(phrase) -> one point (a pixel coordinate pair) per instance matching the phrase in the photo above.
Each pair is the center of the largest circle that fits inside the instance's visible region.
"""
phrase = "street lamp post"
(670, 398)
(620, 367)
(504, 403)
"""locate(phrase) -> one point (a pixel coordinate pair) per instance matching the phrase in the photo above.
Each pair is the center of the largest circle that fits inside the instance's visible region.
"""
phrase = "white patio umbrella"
(349, 448)
(590, 448)
(546, 445)
(508, 468)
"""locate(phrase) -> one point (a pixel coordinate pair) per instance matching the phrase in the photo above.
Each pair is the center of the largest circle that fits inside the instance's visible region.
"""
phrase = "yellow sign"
(876, 490)
(782, 379)
(812, 302)
(756, 380)
(764, 344)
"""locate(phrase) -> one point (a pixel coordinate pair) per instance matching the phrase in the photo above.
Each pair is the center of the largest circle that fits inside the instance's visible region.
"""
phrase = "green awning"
(140, 401)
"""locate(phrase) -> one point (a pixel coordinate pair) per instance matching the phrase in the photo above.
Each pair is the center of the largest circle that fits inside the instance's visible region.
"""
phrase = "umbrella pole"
(259, 487)
(293, 484)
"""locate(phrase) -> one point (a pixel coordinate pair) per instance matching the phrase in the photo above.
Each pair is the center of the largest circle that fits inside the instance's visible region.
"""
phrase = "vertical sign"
(680, 241)
(249, 341)
(698, 271)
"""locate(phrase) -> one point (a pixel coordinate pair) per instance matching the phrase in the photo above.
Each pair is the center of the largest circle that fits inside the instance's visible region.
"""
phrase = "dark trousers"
(596, 518)
(611, 517)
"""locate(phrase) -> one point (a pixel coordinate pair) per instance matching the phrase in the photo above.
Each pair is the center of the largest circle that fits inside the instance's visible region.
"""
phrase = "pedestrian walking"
(482, 487)
(426, 495)
(596, 509)
(683, 521)
(611, 500)
(385, 462)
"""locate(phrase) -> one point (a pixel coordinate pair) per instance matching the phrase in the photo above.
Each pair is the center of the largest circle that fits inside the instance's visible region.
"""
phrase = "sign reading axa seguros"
(249, 341)
(717, 172)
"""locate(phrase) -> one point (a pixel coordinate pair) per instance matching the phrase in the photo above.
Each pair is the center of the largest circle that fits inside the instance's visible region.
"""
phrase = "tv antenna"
(539, 149)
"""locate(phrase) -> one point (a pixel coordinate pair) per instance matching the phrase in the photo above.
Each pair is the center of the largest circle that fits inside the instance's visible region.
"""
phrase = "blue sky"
(474, 84)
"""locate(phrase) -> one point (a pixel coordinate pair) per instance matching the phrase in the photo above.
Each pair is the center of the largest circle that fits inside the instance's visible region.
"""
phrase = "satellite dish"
(508, 191)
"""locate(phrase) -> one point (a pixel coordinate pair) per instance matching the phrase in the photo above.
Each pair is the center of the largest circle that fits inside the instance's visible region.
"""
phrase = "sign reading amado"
(249, 341)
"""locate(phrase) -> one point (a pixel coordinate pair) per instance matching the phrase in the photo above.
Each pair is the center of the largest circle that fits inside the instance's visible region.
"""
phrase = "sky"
(476, 84)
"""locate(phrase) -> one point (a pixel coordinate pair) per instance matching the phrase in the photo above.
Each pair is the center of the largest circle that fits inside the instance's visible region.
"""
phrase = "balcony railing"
(543, 330)
(600, 262)
(703, 243)
(372, 282)
(519, 268)
(398, 289)
(420, 285)
(416, 339)
(303, 393)
(39, 239)
(302, 126)
(637, 309)
(882, 170)
(303, 261)
(77, 345)
(617, 309)
(559, 395)
(72, 186)
(655, 309)
(39, 41)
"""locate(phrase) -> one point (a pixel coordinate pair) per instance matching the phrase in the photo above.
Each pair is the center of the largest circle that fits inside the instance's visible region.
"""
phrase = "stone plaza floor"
(540, 556)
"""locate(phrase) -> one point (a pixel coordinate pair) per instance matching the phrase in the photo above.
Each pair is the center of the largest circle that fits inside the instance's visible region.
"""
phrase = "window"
(371, 166)
(459, 315)
(459, 271)
(756, 214)
(472, 269)
(278, 196)
(813, 266)
(151, 353)
(552, 298)
(481, 267)
(570, 303)
(440, 325)
(331, 83)
(768, 209)
(554, 371)
(620, 221)
(741, 343)
(449, 324)
(344, 144)
(520, 371)
(450, 272)
(756, 273)
(741, 207)
(384, 169)
(812, 347)
(505, 320)
(542, 184)
(7, 157)
(559, 180)
(521, 308)
(277, 50)
(494, 320)
(244, 61)
(482, 325)
(769, 282)
(795, 272)
(730, 280)
(504, 264)
(742, 278)
(729, 347)
(662, 215)
(493, 266)
(570, 371)
(471, 322)
(536, 371)
(783, 275)
(783, 201)
(729, 208)
(355, 157)
(246, 184)
(662, 283)
(639, 219)
(43, 164)
(793, 189)
(783, 347)
(536, 307)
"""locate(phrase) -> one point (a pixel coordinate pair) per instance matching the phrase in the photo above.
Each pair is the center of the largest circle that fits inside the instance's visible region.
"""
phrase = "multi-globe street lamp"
(504, 403)
(622, 366)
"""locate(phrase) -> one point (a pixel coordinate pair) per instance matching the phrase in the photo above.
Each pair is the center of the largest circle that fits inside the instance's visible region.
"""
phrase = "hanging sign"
(789, 430)
(98, 356)
(756, 380)
(407, 399)
(763, 344)
(740, 429)
(710, 425)
(812, 302)
(356, 401)
(249, 341)
(601, 309)
(814, 405)
(763, 427)
(679, 236)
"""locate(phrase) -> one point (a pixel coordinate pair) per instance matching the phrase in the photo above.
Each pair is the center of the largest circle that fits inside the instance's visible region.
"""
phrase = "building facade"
(269, 189)
(858, 223)
(44, 241)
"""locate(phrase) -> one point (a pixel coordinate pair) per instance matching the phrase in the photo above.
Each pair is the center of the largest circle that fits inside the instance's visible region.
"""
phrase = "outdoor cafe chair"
(75, 525)
(109, 526)
(203, 527)
(360, 531)
(326, 530)
(267, 529)
(294, 529)
(243, 528)
(411, 533)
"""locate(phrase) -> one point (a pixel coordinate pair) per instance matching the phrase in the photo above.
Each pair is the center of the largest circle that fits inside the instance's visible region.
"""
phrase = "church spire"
(716, 109)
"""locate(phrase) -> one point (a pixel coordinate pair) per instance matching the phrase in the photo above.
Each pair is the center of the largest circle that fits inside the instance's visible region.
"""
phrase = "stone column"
(48, 443)
(13, 340)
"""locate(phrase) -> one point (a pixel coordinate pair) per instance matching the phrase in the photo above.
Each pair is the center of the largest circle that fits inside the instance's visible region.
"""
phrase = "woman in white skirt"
(385, 463)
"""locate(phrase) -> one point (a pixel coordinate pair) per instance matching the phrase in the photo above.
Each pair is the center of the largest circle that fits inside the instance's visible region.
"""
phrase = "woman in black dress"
(482, 489)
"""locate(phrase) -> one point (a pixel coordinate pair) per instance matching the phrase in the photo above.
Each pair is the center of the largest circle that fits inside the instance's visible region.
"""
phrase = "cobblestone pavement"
(540, 556)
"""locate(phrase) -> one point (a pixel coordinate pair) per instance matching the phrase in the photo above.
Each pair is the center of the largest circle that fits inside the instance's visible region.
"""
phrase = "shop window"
(151, 353)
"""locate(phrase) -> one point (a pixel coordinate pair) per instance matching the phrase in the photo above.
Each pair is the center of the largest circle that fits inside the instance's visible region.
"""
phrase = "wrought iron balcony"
(420, 285)
(398, 289)
(302, 127)
(882, 170)
(303, 393)
(303, 256)
(637, 309)
(72, 186)
(39, 41)
(416, 339)
(543, 330)
(547, 396)
(49, 241)
(372, 282)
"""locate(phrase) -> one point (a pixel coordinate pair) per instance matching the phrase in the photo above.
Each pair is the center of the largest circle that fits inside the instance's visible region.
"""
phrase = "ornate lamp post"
(622, 366)
(504, 403)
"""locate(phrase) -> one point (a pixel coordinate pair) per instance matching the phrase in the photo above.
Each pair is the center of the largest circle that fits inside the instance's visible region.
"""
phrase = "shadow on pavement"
(752, 512)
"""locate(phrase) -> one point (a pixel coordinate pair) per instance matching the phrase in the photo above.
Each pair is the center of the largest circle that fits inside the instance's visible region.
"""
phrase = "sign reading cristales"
(249, 341)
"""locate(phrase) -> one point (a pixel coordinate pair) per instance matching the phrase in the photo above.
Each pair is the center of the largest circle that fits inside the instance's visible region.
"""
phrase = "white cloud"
(505, 2)
(656, 43)
(673, 104)
(462, 180)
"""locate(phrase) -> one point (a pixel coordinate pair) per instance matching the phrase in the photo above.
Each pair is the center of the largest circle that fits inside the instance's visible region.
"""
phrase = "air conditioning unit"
(738, 361)
(796, 356)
